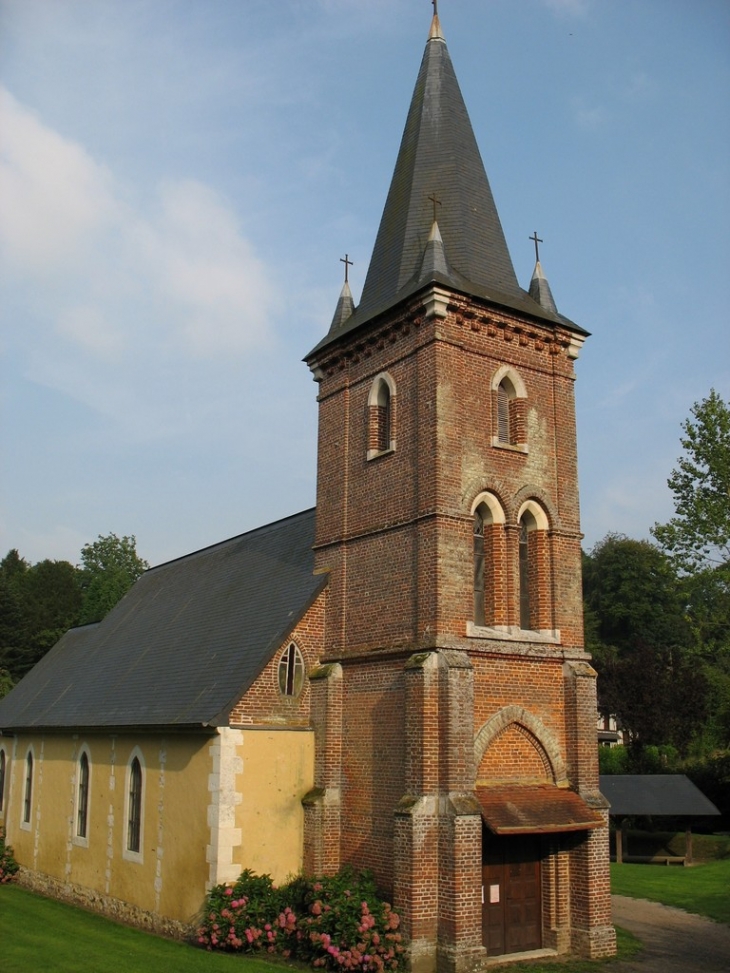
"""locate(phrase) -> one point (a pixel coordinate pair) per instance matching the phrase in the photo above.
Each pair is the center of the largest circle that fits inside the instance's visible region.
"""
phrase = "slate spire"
(438, 155)
(540, 289)
(344, 309)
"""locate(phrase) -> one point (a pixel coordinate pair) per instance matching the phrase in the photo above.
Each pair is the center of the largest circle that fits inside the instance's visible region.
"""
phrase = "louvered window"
(504, 431)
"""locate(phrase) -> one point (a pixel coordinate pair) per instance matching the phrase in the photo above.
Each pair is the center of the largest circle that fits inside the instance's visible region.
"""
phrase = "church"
(394, 680)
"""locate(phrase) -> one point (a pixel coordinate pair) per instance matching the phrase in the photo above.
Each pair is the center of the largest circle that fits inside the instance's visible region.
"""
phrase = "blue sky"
(179, 179)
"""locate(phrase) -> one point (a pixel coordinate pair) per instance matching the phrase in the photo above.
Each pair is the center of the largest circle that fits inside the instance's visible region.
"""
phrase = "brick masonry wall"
(263, 703)
(417, 683)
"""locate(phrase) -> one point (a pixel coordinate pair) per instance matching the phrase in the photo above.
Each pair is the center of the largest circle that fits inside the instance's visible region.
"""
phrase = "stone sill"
(510, 447)
(510, 633)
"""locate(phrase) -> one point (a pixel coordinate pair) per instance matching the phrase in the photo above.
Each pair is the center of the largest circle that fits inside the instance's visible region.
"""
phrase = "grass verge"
(41, 934)
(702, 889)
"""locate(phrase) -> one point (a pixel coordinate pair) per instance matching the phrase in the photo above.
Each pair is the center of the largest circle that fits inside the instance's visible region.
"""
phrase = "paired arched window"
(381, 409)
(134, 807)
(2, 780)
(511, 567)
(291, 671)
(82, 797)
(28, 790)
(489, 545)
(510, 401)
(534, 611)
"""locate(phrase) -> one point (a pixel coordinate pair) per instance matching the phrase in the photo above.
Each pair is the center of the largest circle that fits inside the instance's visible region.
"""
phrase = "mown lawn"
(42, 934)
(702, 889)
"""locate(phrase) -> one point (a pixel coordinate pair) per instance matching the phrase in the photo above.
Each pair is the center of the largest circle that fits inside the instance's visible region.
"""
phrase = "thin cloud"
(118, 294)
(55, 197)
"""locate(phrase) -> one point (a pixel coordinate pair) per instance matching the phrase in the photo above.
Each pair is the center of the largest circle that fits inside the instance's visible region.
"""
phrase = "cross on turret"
(536, 239)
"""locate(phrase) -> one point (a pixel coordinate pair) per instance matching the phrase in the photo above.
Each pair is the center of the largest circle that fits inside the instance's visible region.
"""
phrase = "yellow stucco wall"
(212, 806)
(168, 876)
(277, 771)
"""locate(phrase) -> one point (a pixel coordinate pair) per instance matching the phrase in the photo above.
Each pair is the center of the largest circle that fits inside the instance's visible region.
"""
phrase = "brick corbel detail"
(323, 804)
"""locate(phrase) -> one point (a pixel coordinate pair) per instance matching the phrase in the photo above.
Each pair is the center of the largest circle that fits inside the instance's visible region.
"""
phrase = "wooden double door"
(511, 893)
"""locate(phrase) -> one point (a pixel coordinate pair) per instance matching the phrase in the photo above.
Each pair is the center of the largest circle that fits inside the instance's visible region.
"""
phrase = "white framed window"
(134, 807)
(25, 821)
(82, 798)
(291, 671)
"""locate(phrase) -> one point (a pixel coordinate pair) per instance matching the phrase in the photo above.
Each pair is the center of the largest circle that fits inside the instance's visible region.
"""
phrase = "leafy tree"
(6, 682)
(13, 628)
(110, 566)
(697, 538)
(641, 642)
(37, 605)
(698, 535)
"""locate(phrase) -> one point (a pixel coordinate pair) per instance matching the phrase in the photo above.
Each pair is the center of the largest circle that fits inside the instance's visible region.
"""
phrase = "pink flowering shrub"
(335, 923)
(8, 864)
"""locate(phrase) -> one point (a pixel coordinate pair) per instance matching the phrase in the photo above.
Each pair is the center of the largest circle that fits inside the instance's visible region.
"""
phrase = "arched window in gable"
(489, 555)
(291, 671)
(510, 402)
(381, 407)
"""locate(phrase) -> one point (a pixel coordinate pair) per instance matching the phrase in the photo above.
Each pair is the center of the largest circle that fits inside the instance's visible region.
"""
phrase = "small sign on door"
(493, 894)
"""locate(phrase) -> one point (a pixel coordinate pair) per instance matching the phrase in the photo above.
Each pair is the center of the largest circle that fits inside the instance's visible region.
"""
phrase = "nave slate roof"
(439, 177)
(183, 645)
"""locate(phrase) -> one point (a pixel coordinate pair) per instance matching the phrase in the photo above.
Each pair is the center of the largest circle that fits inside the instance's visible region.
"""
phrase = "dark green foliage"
(641, 641)
(37, 605)
(8, 865)
(39, 602)
(336, 923)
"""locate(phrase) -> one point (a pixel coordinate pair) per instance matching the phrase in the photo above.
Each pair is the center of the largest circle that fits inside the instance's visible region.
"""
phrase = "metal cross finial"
(536, 239)
(434, 199)
(348, 263)
(435, 7)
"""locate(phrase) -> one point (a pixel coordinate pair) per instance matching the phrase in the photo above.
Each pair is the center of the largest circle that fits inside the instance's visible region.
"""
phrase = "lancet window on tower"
(510, 400)
(488, 553)
(534, 610)
(381, 430)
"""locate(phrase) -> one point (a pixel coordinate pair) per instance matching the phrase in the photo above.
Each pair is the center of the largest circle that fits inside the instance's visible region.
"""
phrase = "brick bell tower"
(454, 709)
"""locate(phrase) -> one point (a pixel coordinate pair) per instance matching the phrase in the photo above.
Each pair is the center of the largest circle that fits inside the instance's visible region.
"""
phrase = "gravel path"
(674, 941)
